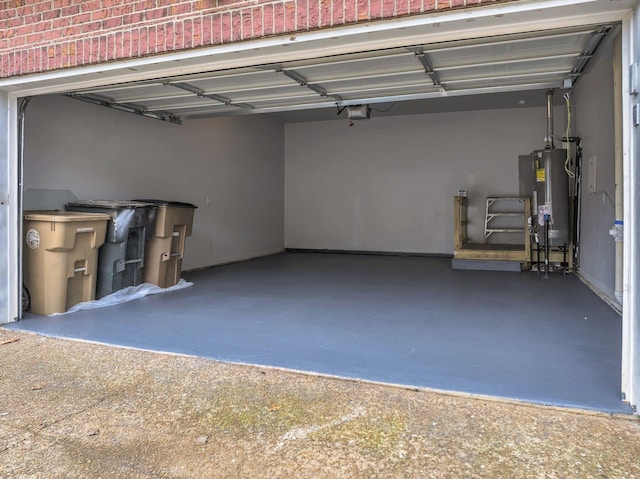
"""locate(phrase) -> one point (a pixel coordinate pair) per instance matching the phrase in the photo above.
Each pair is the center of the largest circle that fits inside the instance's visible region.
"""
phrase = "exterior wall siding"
(38, 36)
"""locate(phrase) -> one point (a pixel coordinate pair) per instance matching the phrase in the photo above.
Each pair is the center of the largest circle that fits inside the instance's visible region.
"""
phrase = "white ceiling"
(507, 63)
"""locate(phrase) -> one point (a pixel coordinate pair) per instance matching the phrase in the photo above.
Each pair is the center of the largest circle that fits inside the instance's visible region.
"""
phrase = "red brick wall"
(44, 35)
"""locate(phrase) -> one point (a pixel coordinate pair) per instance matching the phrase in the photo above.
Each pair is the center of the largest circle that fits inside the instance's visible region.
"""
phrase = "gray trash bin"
(121, 257)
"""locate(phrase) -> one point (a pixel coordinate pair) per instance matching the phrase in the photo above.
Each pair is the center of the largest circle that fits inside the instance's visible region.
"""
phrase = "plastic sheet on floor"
(127, 294)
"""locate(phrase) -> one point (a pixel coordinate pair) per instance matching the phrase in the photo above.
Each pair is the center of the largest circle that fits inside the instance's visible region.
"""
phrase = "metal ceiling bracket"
(212, 96)
(596, 39)
(126, 107)
(302, 81)
(429, 70)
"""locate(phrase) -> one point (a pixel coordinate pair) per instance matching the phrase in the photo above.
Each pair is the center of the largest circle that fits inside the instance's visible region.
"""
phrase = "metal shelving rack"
(491, 213)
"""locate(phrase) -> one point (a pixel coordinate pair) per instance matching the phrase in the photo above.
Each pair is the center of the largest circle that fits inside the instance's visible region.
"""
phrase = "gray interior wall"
(387, 184)
(231, 168)
(593, 121)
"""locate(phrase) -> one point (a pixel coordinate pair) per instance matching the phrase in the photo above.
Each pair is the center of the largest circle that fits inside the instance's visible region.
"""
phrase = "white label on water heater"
(542, 211)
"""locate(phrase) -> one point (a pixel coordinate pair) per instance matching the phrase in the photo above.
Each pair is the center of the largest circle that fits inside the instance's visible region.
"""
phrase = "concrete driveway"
(79, 410)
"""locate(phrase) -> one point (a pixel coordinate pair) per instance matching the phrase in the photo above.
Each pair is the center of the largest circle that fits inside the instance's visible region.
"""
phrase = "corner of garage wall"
(593, 108)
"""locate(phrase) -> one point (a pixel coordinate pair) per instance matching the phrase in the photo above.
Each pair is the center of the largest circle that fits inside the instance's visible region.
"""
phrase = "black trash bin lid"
(177, 204)
(112, 204)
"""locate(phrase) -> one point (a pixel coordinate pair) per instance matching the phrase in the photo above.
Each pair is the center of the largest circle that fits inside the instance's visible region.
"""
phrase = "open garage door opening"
(362, 153)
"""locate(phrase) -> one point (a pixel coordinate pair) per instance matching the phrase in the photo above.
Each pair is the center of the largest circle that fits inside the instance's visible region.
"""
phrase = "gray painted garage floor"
(405, 320)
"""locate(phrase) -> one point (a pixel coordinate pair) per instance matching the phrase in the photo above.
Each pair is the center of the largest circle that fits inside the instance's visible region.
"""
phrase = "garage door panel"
(534, 64)
(211, 111)
(345, 69)
(407, 80)
(287, 102)
(149, 96)
(134, 93)
(506, 83)
(266, 79)
(250, 88)
(506, 70)
(370, 94)
(236, 73)
(547, 50)
(387, 78)
(284, 97)
(170, 104)
(132, 88)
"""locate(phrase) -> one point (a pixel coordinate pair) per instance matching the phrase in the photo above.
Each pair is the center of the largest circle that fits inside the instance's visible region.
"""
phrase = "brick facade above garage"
(39, 36)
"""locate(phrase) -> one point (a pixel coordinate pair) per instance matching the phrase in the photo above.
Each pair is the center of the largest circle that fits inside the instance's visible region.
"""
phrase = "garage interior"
(283, 162)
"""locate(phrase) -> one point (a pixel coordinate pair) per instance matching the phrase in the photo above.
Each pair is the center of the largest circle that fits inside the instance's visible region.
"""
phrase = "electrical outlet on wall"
(591, 174)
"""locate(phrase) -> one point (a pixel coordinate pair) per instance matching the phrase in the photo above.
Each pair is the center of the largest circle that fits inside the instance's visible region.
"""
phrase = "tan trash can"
(165, 250)
(60, 258)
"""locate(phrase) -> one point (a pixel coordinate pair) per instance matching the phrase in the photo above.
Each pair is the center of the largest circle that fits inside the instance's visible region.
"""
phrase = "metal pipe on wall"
(550, 119)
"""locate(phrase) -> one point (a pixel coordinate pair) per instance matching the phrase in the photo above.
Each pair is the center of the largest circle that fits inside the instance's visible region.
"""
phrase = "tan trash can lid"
(64, 216)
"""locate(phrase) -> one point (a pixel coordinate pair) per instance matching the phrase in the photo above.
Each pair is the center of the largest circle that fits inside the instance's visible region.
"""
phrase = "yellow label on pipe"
(540, 175)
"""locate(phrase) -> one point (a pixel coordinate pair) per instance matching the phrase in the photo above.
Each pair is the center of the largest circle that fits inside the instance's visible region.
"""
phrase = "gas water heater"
(550, 189)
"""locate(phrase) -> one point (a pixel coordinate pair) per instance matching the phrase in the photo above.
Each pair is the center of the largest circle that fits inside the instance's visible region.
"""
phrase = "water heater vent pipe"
(550, 144)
